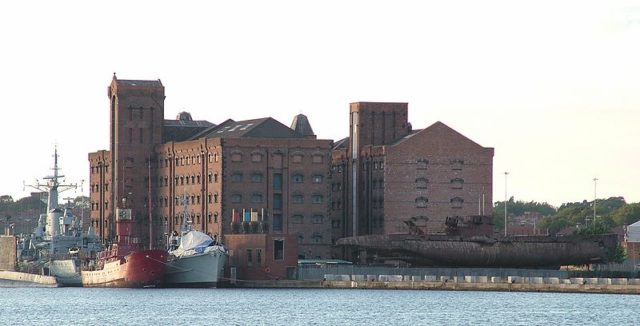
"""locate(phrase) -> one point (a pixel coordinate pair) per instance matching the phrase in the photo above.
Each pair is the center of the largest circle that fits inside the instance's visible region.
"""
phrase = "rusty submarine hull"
(483, 251)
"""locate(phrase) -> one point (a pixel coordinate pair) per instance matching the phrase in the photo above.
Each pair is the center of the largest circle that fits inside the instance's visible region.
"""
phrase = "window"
(456, 202)
(236, 177)
(297, 158)
(298, 198)
(256, 198)
(215, 198)
(256, 157)
(256, 177)
(317, 158)
(278, 249)
(297, 178)
(317, 178)
(141, 135)
(236, 157)
(335, 224)
(318, 219)
(277, 201)
(277, 222)
(210, 177)
(457, 164)
(236, 198)
(457, 183)
(421, 202)
(422, 164)
(130, 135)
(317, 199)
(317, 237)
(277, 181)
(249, 257)
(300, 238)
(259, 256)
(421, 183)
(296, 219)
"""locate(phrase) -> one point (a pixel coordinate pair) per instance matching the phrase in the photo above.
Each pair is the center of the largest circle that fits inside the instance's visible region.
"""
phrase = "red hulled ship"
(125, 264)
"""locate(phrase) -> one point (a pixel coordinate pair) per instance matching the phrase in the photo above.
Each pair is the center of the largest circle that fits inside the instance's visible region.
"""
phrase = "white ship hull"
(66, 271)
(198, 270)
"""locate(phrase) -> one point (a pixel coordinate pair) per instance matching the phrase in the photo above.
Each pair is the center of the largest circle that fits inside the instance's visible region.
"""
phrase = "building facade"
(387, 178)
(259, 186)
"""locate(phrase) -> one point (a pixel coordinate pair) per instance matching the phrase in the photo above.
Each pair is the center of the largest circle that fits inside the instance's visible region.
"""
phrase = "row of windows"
(140, 113)
(258, 177)
(96, 187)
(187, 160)
(96, 169)
(456, 202)
(315, 238)
(277, 202)
(140, 135)
(457, 183)
(456, 164)
(258, 157)
(299, 219)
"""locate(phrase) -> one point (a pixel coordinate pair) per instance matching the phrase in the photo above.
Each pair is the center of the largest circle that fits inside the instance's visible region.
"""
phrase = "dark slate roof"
(432, 128)
(302, 126)
(342, 143)
(131, 82)
(180, 130)
(256, 128)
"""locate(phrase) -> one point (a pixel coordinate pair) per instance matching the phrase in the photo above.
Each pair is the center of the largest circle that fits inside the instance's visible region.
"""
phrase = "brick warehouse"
(257, 184)
(390, 179)
(273, 193)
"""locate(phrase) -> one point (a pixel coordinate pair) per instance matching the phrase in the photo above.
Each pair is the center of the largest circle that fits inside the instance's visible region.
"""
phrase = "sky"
(553, 86)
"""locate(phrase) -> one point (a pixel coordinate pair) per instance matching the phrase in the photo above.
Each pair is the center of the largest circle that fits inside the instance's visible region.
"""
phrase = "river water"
(84, 306)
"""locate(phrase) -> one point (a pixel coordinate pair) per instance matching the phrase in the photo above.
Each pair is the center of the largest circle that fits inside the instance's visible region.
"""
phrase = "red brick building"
(258, 185)
(388, 178)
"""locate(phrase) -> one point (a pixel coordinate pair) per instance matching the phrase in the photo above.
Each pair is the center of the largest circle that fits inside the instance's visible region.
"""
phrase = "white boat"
(195, 259)
(197, 262)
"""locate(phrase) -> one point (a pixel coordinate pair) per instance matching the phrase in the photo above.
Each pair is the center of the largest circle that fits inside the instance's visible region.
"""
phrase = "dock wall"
(18, 279)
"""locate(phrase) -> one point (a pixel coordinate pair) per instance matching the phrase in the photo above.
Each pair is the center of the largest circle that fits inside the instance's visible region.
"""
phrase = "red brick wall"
(268, 267)
(441, 147)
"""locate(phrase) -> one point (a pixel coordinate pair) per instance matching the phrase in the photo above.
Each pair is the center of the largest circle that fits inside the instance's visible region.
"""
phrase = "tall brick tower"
(137, 115)
(371, 124)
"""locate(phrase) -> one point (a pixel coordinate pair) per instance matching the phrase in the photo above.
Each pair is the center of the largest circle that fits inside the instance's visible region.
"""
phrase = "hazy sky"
(553, 86)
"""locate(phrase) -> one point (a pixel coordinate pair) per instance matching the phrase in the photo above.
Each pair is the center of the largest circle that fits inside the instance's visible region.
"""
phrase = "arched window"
(421, 202)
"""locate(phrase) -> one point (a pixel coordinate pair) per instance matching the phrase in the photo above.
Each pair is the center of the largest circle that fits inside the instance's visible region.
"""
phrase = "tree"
(5, 199)
(627, 214)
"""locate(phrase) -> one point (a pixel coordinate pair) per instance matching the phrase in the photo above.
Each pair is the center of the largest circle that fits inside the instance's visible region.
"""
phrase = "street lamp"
(505, 202)
(595, 183)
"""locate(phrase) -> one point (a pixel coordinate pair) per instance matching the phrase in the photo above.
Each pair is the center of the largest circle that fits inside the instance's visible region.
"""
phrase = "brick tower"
(137, 115)
(371, 124)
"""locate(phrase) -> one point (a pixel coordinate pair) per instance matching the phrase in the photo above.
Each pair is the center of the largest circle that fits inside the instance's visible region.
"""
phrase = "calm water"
(78, 306)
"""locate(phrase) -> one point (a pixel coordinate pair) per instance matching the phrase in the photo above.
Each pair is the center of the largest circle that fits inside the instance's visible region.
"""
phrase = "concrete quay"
(484, 283)
(19, 279)
(456, 283)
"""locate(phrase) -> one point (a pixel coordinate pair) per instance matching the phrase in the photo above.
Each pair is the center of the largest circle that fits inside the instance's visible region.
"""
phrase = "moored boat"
(197, 262)
(195, 258)
(124, 264)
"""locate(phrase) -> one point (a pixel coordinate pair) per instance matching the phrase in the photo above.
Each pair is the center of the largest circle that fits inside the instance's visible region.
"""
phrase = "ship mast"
(52, 187)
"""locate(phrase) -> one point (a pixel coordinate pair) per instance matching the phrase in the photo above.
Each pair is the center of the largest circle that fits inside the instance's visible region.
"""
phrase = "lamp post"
(595, 183)
(505, 202)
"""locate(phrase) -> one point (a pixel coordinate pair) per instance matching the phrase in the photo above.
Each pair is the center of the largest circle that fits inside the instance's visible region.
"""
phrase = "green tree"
(627, 214)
